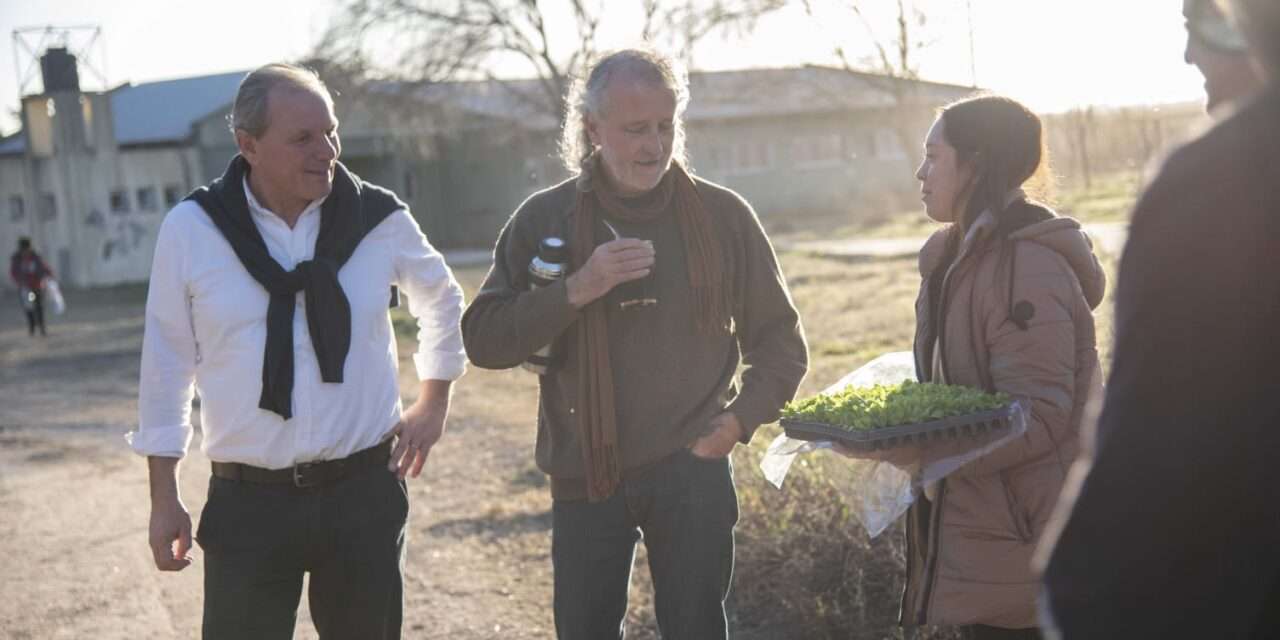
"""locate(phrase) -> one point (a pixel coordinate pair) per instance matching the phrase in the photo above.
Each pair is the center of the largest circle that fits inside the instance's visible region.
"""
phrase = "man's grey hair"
(249, 113)
(586, 98)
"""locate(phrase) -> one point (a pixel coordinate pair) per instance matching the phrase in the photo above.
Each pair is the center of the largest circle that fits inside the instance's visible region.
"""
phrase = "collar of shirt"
(260, 211)
(287, 245)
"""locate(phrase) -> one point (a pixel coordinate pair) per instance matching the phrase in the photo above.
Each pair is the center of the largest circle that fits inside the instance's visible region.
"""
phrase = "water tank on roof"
(58, 70)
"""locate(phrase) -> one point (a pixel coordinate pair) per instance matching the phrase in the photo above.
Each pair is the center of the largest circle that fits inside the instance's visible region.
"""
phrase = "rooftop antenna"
(85, 42)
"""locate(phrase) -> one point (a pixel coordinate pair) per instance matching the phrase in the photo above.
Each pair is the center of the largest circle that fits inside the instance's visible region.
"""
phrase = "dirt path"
(73, 498)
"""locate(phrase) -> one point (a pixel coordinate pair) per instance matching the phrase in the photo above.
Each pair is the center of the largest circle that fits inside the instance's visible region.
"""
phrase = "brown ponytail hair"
(1003, 142)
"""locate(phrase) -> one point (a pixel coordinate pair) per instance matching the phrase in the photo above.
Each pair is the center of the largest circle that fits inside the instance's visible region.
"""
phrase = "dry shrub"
(805, 566)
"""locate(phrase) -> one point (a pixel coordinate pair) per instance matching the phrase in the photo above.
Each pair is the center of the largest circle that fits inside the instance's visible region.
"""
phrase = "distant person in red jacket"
(29, 272)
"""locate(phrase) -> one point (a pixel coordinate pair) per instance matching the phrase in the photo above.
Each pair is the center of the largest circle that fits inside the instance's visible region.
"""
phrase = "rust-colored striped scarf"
(677, 194)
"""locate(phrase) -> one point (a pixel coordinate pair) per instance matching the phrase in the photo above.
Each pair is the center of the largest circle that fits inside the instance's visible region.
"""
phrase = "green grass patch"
(1108, 198)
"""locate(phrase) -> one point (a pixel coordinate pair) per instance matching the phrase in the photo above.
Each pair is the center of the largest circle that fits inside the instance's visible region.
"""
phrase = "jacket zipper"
(935, 516)
(935, 539)
(931, 560)
(940, 313)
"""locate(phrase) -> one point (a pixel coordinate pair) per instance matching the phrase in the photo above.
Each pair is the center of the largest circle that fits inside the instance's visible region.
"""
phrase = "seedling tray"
(962, 426)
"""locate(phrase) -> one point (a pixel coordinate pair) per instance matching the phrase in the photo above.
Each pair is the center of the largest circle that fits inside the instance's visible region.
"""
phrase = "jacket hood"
(935, 249)
(1065, 237)
(1061, 234)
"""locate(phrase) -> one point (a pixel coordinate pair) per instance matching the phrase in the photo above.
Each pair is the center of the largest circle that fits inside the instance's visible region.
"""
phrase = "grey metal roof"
(164, 111)
(715, 95)
(753, 93)
(514, 100)
(158, 112)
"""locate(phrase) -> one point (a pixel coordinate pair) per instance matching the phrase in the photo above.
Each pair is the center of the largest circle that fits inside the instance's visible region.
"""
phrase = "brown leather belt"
(307, 474)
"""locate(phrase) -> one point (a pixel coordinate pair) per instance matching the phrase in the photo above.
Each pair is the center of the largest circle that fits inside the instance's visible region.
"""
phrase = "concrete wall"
(480, 177)
(91, 207)
(463, 186)
(835, 163)
(17, 210)
(116, 243)
(106, 211)
(213, 144)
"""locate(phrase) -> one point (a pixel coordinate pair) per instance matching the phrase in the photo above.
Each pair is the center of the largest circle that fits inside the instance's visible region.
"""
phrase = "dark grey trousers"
(35, 315)
(685, 509)
(259, 540)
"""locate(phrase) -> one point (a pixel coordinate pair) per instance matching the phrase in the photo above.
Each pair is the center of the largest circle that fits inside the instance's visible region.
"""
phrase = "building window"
(119, 201)
(749, 157)
(887, 145)
(17, 208)
(869, 144)
(817, 151)
(48, 206)
(744, 157)
(86, 110)
(760, 158)
(147, 199)
(172, 194)
(408, 183)
(719, 157)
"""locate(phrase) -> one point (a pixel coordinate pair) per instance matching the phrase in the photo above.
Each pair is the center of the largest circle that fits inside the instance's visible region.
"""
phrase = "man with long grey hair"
(269, 296)
(672, 284)
(1175, 529)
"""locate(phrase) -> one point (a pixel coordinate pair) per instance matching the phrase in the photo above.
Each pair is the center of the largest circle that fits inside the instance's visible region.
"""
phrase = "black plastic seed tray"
(963, 426)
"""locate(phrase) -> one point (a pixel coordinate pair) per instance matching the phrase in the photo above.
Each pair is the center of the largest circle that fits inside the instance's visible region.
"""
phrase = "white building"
(91, 175)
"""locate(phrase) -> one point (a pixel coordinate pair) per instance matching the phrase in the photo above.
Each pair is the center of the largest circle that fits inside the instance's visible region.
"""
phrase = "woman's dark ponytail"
(1002, 141)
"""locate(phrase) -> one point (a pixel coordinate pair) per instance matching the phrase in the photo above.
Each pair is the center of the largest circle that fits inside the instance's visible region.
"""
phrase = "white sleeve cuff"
(165, 442)
(440, 365)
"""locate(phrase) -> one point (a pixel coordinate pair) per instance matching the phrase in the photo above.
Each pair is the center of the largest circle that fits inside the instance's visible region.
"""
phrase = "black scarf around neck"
(352, 209)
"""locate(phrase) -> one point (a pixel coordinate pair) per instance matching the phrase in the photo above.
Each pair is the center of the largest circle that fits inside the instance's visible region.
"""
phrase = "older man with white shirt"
(269, 296)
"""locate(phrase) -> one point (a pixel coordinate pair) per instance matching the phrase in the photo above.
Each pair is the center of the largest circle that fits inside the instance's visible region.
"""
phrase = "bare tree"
(682, 25)
(411, 44)
(892, 67)
(894, 58)
(1081, 124)
(1093, 144)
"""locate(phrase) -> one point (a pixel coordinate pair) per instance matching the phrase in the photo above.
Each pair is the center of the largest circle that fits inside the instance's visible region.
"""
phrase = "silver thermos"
(548, 266)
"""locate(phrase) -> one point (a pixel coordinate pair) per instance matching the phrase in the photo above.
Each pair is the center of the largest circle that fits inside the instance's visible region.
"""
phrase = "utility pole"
(973, 63)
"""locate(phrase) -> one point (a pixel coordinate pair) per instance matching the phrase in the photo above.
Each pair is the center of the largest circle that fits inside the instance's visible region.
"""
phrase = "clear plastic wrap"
(880, 485)
(54, 292)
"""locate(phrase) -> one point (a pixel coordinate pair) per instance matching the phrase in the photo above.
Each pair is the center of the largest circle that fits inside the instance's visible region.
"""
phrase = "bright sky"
(1052, 54)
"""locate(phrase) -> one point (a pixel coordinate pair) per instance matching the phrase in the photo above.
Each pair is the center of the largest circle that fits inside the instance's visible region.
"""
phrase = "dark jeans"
(984, 632)
(258, 540)
(35, 314)
(685, 509)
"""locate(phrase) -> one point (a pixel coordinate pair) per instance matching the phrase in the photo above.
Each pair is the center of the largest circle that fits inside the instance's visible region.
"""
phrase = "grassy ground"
(805, 567)
(1108, 198)
(477, 565)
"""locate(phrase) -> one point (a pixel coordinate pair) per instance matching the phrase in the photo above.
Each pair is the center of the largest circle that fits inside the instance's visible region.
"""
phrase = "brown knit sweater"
(669, 380)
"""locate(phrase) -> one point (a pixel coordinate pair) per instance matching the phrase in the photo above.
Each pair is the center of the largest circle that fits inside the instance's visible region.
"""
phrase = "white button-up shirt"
(206, 328)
